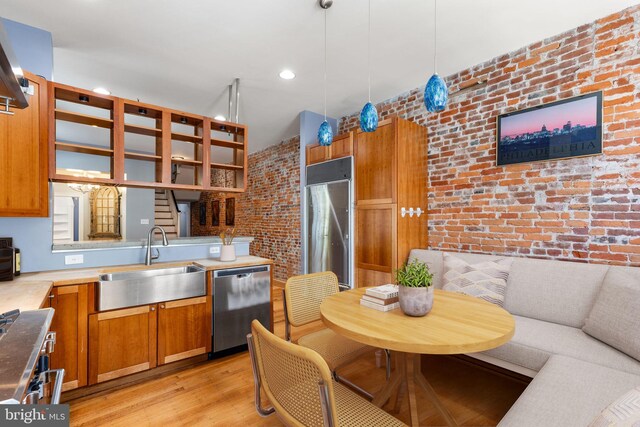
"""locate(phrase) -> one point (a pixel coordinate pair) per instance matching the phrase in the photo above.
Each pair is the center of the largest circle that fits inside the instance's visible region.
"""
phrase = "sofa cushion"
(566, 393)
(535, 341)
(615, 316)
(624, 412)
(555, 291)
(486, 280)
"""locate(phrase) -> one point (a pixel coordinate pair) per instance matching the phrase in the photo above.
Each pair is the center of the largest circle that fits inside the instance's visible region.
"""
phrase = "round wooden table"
(457, 324)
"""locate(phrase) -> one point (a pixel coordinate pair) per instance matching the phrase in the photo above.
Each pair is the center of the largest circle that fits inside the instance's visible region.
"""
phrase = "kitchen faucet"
(149, 257)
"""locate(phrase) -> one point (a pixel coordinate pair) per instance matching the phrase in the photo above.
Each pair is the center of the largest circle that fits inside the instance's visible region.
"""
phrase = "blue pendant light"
(325, 133)
(435, 92)
(369, 114)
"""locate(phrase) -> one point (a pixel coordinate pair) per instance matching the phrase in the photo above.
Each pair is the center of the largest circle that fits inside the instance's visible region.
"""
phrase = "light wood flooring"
(220, 393)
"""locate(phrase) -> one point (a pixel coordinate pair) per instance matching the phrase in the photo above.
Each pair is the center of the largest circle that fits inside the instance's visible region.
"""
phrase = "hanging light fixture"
(325, 133)
(369, 114)
(435, 92)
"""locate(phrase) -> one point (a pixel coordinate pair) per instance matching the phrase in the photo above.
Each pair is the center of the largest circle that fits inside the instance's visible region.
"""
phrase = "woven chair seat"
(355, 411)
(335, 349)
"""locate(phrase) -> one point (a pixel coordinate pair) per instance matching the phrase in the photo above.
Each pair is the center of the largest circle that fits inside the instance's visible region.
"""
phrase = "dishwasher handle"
(241, 272)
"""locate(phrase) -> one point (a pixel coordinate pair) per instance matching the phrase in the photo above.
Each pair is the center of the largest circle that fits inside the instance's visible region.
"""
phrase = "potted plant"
(228, 251)
(415, 290)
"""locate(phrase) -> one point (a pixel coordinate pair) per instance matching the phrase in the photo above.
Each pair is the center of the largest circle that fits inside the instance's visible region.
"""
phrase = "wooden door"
(24, 189)
(184, 329)
(375, 165)
(70, 325)
(375, 244)
(317, 153)
(121, 342)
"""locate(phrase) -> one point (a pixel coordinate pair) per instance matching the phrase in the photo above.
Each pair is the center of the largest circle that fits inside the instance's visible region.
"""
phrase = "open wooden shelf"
(187, 162)
(228, 127)
(142, 130)
(72, 94)
(186, 137)
(83, 119)
(141, 156)
(164, 129)
(226, 166)
(84, 149)
(227, 144)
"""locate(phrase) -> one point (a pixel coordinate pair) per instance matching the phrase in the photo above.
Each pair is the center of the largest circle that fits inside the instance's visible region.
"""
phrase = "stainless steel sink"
(139, 287)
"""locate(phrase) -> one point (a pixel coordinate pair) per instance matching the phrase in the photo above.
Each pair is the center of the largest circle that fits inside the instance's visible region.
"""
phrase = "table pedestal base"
(404, 379)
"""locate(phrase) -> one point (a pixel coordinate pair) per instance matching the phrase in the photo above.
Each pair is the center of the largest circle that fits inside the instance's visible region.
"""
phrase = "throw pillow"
(624, 412)
(615, 316)
(486, 280)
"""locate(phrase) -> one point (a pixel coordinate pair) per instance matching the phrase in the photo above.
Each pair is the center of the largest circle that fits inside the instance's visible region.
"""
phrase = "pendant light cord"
(325, 65)
(435, 36)
(369, 51)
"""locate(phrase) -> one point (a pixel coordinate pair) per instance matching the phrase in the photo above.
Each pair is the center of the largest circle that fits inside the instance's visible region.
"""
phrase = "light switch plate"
(144, 221)
(214, 250)
(74, 259)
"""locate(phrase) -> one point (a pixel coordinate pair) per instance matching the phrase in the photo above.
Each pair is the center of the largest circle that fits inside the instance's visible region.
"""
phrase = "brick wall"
(579, 209)
(269, 210)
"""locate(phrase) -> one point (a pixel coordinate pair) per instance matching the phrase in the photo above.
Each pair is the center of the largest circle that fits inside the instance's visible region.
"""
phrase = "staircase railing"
(175, 211)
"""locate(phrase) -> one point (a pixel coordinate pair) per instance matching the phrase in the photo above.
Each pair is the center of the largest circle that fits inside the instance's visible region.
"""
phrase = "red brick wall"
(269, 210)
(579, 209)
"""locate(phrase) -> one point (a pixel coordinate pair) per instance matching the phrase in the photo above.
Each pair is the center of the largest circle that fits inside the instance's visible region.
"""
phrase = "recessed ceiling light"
(102, 91)
(220, 117)
(287, 74)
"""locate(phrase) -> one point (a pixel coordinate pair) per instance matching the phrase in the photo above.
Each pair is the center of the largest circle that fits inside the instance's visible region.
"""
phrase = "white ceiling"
(183, 54)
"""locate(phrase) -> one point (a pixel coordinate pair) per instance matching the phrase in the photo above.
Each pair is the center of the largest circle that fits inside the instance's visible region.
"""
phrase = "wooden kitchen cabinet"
(121, 342)
(390, 174)
(24, 189)
(184, 329)
(342, 146)
(70, 325)
(218, 150)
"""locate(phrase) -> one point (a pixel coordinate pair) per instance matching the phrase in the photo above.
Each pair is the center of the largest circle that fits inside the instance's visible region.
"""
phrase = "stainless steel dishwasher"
(239, 296)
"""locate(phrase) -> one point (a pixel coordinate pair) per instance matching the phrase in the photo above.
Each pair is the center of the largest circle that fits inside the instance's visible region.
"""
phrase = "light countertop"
(30, 290)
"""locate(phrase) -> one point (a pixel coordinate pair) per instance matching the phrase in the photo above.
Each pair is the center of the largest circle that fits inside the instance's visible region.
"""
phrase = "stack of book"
(382, 298)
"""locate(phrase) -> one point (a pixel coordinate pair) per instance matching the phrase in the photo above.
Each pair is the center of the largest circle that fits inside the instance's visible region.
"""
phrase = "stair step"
(162, 209)
(163, 215)
(164, 222)
(161, 202)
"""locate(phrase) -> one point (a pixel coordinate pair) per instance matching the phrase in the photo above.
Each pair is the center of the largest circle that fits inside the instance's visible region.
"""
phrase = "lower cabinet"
(126, 341)
(184, 329)
(121, 342)
(70, 325)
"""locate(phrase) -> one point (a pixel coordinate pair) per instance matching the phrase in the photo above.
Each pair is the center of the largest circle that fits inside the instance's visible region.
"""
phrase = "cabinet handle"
(153, 309)
(161, 305)
(51, 296)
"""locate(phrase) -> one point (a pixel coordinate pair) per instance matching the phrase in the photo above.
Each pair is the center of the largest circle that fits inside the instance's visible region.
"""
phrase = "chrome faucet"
(149, 257)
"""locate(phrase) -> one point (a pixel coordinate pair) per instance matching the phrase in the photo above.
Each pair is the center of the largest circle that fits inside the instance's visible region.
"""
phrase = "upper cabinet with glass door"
(108, 140)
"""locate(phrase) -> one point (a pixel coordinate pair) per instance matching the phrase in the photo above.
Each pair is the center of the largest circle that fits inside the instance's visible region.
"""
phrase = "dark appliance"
(25, 345)
(239, 296)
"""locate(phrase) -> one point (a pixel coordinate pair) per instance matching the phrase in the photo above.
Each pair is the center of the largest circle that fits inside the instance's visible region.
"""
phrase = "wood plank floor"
(220, 393)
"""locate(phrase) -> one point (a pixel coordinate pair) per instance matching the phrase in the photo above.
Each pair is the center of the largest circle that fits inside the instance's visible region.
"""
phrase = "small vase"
(228, 253)
(415, 302)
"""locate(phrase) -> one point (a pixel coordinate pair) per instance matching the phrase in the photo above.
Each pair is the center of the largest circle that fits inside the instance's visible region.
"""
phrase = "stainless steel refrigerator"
(329, 219)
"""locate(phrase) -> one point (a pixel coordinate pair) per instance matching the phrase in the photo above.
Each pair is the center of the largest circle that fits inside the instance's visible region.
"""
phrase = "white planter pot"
(228, 253)
(415, 302)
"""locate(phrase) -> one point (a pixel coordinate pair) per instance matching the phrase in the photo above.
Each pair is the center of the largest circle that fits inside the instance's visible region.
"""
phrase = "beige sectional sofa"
(575, 376)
